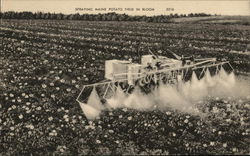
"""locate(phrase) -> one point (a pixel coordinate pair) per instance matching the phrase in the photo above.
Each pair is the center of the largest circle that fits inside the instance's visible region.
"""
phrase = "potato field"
(44, 63)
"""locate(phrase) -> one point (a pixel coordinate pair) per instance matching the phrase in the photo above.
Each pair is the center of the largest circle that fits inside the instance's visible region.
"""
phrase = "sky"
(158, 7)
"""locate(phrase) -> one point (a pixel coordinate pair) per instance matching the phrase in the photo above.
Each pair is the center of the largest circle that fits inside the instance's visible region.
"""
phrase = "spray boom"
(125, 77)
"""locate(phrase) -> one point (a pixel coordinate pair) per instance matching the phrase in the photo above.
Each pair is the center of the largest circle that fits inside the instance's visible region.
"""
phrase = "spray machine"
(152, 71)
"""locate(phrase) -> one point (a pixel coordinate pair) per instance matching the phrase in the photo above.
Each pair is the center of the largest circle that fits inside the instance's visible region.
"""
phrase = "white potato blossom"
(53, 133)
(11, 95)
(20, 116)
(124, 109)
(62, 80)
(50, 118)
(110, 113)
(65, 116)
(28, 111)
(44, 85)
(98, 141)
(212, 143)
(168, 113)
(117, 141)
(30, 126)
(39, 108)
(130, 118)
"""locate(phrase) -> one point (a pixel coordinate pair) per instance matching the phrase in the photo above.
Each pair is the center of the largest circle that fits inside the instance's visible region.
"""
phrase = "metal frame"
(158, 74)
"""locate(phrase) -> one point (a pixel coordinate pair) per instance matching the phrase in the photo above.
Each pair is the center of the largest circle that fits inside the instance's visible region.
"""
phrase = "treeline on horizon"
(112, 16)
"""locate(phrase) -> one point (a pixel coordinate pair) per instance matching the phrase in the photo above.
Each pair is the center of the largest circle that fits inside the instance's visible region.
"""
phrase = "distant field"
(215, 19)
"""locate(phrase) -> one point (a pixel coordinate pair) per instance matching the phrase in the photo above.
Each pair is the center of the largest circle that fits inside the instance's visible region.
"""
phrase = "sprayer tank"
(115, 68)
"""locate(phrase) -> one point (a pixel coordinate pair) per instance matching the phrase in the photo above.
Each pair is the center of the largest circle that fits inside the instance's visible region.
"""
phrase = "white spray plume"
(182, 96)
(90, 112)
(117, 100)
(138, 100)
(94, 100)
